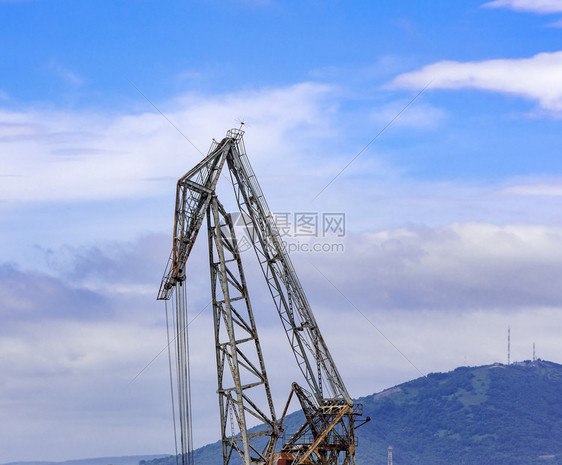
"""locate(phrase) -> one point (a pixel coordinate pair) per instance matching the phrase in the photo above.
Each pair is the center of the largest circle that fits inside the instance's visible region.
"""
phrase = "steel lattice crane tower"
(327, 435)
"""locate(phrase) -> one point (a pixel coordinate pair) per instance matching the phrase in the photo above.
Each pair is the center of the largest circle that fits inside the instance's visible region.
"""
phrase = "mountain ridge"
(491, 415)
(119, 460)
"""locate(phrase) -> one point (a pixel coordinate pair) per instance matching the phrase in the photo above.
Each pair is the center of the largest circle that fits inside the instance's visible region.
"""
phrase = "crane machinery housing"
(326, 436)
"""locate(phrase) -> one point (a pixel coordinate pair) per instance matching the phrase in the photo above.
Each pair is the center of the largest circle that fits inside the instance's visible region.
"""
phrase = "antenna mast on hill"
(534, 353)
(389, 455)
(508, 345)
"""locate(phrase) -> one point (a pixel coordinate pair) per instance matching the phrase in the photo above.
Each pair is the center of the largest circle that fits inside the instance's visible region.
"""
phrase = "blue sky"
(453, 218)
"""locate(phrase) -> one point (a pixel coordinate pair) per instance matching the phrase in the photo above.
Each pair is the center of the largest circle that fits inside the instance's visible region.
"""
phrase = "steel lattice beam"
(237, 345)
(327, 436)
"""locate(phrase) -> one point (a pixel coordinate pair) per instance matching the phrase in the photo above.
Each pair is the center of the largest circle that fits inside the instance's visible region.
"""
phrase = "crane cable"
(187, 367)
(181, 364)
(171, 381)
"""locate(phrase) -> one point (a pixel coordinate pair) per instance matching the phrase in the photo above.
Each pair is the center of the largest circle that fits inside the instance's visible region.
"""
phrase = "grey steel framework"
(327, 435)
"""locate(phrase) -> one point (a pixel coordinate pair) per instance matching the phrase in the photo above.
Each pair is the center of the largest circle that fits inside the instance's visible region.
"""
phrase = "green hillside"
(487, 415)
(496, 414)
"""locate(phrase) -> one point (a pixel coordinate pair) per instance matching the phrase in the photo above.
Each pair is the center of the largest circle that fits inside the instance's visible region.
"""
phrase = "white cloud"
(54, 155)
(189, 75)
(459, 267)
(66, 383)
(69, 378)
(419, 116)
(443, 296)
(67, 75)
(440, 293)
(538, 78)
(533, 6)
(534, 189)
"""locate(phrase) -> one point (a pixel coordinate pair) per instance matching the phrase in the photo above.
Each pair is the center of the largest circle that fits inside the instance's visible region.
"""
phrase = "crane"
(326, 437)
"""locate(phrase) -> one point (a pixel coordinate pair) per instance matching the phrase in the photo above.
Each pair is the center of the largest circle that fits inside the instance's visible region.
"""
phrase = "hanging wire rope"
(171, 382)
(190, 410)
(181, 371)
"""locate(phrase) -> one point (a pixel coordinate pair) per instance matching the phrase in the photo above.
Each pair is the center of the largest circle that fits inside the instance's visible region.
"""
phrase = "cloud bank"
(80, 320)
(538, 78)
(52, 155)
(74, 339)
(533, 6)
(461, 267)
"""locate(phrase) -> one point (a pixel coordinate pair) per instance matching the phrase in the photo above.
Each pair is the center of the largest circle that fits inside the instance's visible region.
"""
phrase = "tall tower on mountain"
(508, 345)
